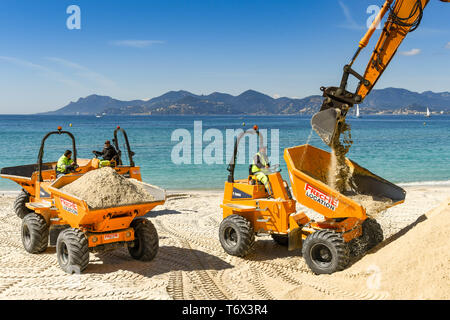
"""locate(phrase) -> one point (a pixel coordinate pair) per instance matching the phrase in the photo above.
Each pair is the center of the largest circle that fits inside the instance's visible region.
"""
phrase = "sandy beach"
(412, 263)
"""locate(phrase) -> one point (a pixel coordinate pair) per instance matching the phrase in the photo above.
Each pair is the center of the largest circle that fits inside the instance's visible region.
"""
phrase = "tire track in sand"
(208, 283)
(282, 269)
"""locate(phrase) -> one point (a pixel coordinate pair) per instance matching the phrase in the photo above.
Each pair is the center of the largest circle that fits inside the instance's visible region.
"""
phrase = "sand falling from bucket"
(339, 173)
(331, 178)
(307, 142)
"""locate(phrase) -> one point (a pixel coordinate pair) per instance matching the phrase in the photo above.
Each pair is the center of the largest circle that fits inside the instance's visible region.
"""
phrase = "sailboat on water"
(428, 113)
(357, 111)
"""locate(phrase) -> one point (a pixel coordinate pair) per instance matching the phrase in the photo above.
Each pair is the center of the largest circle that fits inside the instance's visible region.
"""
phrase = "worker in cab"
(260, 167)
(108, 154)
(65, 164)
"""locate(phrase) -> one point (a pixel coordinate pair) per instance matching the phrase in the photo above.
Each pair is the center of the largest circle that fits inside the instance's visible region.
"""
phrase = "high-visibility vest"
(263, 159)
(105, 163)
(63, 163)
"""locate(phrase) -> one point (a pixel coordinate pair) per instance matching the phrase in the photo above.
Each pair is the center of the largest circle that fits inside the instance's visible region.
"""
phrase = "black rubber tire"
(281, 239)
(72, 251)
(146, 240)
(325, 252)
(34, 233)
(373, 233)
(236, 235)
(19, 204)
(357, 247)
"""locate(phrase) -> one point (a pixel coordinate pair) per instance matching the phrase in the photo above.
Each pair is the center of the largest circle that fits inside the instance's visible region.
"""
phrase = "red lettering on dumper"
(320, 197)
(69, 206)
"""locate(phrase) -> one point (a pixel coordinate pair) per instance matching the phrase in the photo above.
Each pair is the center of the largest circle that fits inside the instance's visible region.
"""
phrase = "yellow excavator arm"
(404, 17)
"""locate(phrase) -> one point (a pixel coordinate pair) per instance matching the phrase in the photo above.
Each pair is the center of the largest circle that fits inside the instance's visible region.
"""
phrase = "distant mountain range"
(384, 101)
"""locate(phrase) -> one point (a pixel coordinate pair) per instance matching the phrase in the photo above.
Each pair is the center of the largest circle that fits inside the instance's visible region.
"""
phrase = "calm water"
(401, 149)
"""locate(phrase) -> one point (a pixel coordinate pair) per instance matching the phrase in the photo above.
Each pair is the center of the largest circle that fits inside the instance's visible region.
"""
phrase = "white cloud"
(350, 23)
(412, 52)
(84, 72)
(23, 63)
(45, 71)
(447, 46)
(135, 43)
(75, 75)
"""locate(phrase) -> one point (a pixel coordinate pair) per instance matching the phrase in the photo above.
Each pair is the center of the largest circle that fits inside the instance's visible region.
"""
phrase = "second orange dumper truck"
(249, 210)
(52, 217)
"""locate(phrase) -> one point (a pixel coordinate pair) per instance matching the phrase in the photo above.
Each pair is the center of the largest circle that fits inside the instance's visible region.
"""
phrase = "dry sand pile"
(414, 266)
(104, 188)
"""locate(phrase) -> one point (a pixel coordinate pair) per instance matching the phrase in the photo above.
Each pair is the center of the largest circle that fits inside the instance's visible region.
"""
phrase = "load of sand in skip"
(105, 188)
(373, 205)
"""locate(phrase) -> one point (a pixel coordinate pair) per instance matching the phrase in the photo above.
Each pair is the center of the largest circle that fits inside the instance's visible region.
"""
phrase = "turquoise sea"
(401, 149)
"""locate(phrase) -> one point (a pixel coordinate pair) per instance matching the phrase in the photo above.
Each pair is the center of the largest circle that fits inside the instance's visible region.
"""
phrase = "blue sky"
(141, 49)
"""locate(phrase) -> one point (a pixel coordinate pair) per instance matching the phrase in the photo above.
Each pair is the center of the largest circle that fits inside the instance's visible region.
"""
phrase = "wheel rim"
(26, 235)
(321, 255)
(230, 236)
(64, 253)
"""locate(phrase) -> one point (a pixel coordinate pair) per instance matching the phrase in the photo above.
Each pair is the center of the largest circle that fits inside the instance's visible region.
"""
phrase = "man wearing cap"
(109, 152)
(65, 164)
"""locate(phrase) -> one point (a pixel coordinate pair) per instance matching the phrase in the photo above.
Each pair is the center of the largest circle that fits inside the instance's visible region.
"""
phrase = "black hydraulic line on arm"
(339, 96)
(41, 150)
(404, 17)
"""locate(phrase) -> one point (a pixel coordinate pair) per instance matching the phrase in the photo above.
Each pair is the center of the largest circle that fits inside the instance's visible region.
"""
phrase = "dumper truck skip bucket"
(76, 212)
(97, 230)
(308, 169)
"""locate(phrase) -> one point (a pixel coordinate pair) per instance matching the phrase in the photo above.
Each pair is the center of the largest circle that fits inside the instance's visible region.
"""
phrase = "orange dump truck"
(50, 216)
(249, 210)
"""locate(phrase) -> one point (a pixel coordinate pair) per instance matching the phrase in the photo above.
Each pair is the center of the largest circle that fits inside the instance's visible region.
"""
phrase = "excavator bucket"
(325, 123)
(332, 112)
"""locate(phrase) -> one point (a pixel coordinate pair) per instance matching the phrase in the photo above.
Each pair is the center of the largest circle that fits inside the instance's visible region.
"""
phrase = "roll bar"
(116, 144)
(41, 150)
(232, 164)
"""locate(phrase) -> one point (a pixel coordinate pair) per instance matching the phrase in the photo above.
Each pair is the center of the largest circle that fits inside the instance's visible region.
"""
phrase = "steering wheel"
(272, 169)
(73, 169)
